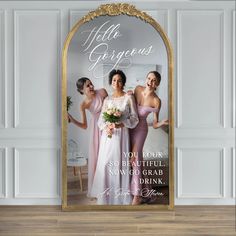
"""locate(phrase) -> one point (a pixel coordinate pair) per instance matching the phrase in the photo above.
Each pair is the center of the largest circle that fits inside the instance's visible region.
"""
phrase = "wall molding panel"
(183, 18)
(3, 173)
(233, 172)
(180, 173)
(29, 21)
(207, 134)
(233, 69)
(3, 111)
(26, 184)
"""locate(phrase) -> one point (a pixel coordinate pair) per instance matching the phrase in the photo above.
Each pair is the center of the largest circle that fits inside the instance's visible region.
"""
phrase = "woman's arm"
(156, 122)
(101, 122)
(83, 114)
(132, 120)
(83, 124)
(103, 93)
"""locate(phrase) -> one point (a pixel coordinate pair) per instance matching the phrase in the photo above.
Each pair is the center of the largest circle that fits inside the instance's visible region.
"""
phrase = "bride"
(108, 188)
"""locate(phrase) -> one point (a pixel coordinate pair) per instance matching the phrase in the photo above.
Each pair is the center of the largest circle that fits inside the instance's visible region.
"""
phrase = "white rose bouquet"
(112, 117)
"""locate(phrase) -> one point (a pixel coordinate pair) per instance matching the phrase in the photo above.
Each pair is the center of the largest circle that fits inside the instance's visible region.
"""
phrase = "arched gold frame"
(114, 10)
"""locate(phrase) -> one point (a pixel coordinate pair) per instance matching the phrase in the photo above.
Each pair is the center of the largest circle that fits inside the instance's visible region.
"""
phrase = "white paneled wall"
(40, 83)
(201, 51)
(31, 39)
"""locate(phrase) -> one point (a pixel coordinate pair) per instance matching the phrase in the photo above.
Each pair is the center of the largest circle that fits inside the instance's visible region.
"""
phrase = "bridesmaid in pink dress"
(93, 103)
(147, 102)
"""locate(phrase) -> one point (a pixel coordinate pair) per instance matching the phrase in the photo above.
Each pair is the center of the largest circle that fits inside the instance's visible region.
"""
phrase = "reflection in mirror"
(118, 121)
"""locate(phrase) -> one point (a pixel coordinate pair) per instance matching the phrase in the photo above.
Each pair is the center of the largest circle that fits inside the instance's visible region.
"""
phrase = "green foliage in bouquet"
(69, 103)
(110, 118)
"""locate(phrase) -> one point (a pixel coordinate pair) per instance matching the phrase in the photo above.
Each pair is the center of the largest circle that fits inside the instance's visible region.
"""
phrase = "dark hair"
(117, 72)
(157, 75)
(80, 84)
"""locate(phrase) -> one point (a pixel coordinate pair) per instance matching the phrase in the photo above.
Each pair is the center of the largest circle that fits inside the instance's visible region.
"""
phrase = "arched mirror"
(117, 110)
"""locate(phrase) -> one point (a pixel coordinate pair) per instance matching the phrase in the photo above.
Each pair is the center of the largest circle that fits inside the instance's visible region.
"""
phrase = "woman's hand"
(82, 125)
(130, 92)
(120, 125)
(164, 122)
(109, 129)
(111, 126)
(161, 123)
(70, 118)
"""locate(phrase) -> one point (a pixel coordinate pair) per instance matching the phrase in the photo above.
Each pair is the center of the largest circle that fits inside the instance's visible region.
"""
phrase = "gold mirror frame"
(114, 10)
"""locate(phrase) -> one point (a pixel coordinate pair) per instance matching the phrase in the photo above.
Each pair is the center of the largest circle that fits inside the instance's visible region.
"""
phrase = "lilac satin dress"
(94, 140)
(137, 138)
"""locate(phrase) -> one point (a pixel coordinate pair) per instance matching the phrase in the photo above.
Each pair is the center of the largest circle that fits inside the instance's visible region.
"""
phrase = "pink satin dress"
(94, 139)
(137, 138)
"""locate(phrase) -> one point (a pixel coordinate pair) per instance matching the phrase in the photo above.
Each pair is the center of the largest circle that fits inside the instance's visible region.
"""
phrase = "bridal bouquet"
(111, 116)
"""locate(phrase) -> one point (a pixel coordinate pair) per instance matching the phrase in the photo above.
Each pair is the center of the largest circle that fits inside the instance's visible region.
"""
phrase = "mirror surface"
(135, 47)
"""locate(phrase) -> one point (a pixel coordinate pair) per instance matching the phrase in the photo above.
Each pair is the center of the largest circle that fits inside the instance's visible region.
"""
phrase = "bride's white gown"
(111, 184)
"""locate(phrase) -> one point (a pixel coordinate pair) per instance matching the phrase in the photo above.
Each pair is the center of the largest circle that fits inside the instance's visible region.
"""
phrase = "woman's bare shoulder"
(102, 92)
(85, 103)
(157, 101)
(139, 87)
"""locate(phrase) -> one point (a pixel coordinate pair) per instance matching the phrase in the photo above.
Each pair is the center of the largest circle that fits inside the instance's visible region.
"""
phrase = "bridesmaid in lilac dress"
(147, 102)
(93, 103)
